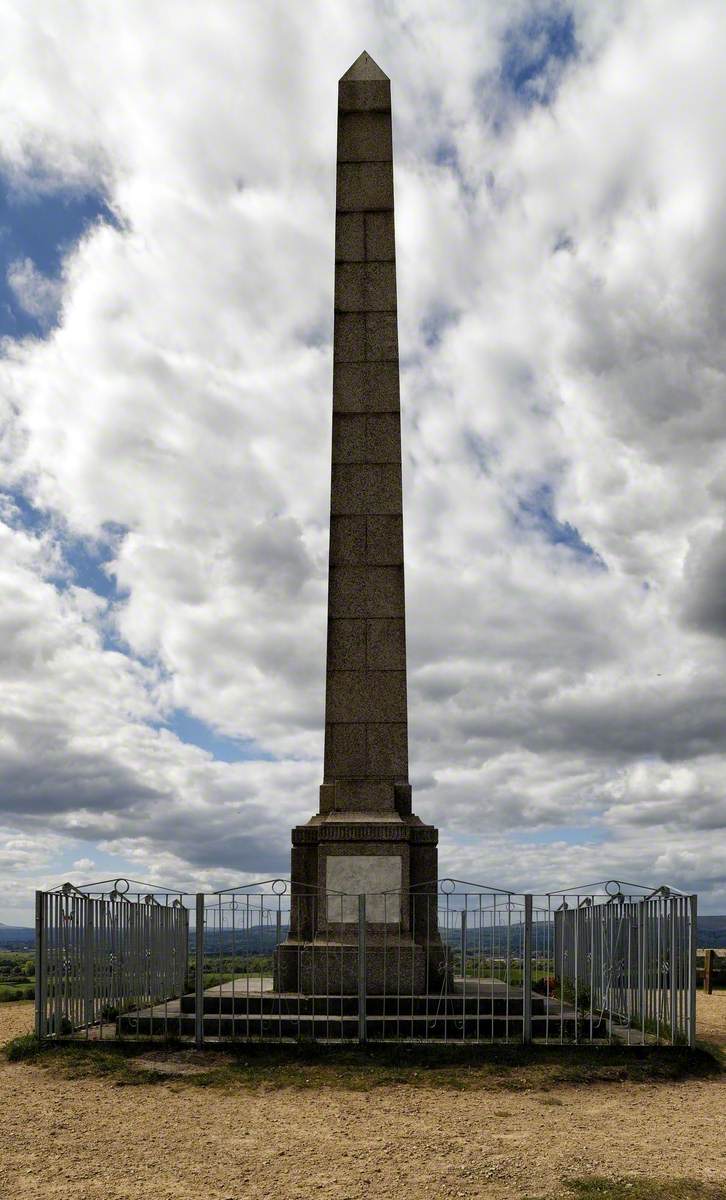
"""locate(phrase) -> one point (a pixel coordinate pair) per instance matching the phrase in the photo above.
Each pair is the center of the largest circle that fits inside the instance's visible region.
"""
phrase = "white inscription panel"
(356, 874)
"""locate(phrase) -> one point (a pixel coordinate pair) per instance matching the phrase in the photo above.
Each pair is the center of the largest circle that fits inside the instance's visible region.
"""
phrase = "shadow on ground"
(361, 1068)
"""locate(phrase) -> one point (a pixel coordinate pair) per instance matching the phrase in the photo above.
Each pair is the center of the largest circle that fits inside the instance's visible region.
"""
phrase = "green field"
(17, 975)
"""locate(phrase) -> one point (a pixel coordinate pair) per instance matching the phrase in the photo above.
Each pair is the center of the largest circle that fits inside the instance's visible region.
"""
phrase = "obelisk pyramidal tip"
(364, 68)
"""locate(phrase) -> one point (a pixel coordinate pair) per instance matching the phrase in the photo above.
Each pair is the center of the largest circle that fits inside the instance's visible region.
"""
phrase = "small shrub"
(23, 1047)
(62, 1027)
(545, 986)
(566, 990)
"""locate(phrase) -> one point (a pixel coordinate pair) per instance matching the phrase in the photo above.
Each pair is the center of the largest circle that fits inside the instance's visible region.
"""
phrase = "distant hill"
(16, 937)
(711, 933)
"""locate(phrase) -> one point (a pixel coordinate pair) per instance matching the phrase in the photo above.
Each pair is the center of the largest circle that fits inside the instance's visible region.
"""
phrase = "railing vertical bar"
(493, 942)
(247, 963)
(264, 916)
(683, 988)
(591, 912)
(220, 941)
(678, 903)
(550, 957)
(199, 975)
(88, 1014)
(659, 969)
(41, 977)
(576, 963)
(527, 973)
(362, 967)
(59, 966)
(399, 981)
(328, 989)
(278, 939)
(426, 901)
(692, 947)
(508, 971)
(462, 950)
(478, 969)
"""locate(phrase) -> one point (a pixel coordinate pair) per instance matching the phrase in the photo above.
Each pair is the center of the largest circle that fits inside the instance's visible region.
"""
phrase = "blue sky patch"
(86, 560)
(195, 733)
(446, 155)
(435, 324)
(37, 230)
(572, 835)
(541, 41)
(479, 450)
(535, 512)
(563, 241)
(84, 557)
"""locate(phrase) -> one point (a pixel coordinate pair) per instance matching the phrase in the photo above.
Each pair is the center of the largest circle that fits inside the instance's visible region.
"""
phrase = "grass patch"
(19, 991)
(252, 1066)
(594, 1187)
(77, 1061)
(26, 1046)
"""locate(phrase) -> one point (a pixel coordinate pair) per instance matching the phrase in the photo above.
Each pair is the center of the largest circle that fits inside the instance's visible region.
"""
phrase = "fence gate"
(97, 956)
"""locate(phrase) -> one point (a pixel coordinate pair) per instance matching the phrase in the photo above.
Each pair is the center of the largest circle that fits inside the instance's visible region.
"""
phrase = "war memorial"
(365, 941)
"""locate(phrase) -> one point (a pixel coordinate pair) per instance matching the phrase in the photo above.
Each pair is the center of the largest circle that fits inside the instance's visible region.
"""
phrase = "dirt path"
(85, 1139)
(711, 1018)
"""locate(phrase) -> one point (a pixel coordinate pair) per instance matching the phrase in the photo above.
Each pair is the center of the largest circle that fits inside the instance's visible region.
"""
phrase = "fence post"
(463, 947)
(199, 974)
(672, 975)
(641, 967)
(361, 967)
(183, 965)
(41, 978)
(708, 956)
(527, 973)
(692, 947)
(88, 961)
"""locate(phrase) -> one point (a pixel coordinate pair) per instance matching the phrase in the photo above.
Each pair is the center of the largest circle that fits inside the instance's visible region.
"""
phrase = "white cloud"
(561, 284)
(83, 864)
(38, 295)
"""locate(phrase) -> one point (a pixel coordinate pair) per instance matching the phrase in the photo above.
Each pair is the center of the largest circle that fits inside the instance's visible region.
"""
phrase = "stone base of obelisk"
(393, 861)
(324, 968)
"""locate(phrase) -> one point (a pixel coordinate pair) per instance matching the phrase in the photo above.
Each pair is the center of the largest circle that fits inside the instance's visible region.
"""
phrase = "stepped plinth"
(251, 1007)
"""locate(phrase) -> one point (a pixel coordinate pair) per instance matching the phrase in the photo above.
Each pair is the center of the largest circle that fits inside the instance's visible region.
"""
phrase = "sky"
(166, 235)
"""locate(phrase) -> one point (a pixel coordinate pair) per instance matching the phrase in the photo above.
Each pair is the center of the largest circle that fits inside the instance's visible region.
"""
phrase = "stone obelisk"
(364, 839)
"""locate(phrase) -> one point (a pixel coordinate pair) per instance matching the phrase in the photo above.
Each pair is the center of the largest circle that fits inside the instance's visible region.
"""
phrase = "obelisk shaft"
(364, 841)
(366, 731)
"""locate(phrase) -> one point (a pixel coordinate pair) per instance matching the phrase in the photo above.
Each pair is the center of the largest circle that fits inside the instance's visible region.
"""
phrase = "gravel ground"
(711, 1018)
(85, 1139)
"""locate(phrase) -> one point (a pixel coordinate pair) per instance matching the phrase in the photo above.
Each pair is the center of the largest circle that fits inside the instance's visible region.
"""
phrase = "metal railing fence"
(97, 956)
(447, 962)
(631, 961)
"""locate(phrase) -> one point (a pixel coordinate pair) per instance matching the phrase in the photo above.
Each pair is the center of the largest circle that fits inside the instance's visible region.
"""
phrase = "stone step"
(271, 1004)
(341, 1028)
